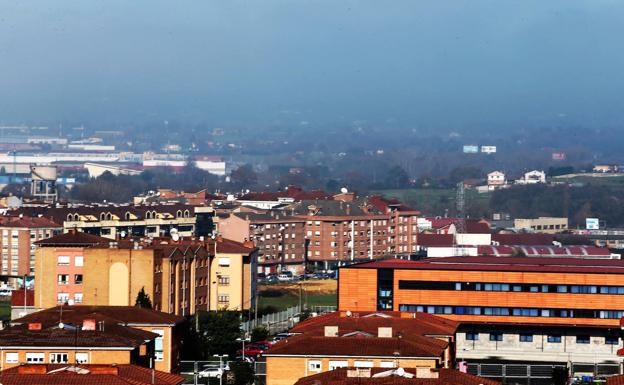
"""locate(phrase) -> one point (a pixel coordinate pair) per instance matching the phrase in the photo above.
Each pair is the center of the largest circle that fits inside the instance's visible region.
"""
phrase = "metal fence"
(283, 320)
(537, 374)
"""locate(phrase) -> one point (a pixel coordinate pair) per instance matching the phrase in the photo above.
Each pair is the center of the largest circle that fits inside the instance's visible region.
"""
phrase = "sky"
(438, 63)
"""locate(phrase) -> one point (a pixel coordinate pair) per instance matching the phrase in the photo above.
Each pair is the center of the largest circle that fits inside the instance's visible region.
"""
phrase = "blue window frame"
(472, 336)
(526, 337)
(554, 338)
(496, 336)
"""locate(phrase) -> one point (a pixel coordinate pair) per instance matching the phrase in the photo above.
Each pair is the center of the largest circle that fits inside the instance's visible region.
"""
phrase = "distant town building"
(496, 179)
(532, 177)
(605, 168)
(488, 149)
(470, 149)
(549, 225)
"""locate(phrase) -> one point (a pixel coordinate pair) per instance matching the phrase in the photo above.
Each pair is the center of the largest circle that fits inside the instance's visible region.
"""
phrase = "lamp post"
(220, 367)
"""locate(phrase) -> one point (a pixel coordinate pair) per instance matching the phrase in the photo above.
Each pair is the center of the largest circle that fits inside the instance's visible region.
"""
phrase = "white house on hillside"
(532, 177)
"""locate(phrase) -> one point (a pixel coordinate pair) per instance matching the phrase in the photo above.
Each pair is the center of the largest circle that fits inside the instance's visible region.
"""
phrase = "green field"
(277, 297)
(613, 180)
(436, 201)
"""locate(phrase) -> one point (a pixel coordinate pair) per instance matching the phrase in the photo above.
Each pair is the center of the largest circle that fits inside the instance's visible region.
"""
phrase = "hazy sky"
(417, 62)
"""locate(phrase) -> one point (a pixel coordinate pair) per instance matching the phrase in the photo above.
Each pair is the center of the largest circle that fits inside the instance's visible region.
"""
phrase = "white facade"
(488, 149)
(496, 178)
(533, 177)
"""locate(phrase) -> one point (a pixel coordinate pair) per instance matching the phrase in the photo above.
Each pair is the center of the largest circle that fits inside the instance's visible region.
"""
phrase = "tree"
(244, 177)
(259, 333)
(143, 299)
(396, 178)
(217, 333)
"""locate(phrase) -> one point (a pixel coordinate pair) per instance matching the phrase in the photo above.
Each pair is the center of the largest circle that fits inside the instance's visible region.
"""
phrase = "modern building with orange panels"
(509, 289)
(511, 309)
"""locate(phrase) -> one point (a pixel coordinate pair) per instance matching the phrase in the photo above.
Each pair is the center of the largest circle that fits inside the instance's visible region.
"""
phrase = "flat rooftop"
(506, 264)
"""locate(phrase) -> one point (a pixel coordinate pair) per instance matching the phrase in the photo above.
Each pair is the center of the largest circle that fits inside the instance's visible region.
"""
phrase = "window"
(363, 364)
(78, 279)
(224, 280)
(612, 340)
(582, 339)
(526, 337)
(224, 261)
(58, 358)
(82, 358)
(62, 297)
(63, 279)
(337, 364)
(158, 345)
(78, 297)
(33, 358)
(224, 299)
(63, 260)
(386, 364)
(554, 338)
(496, 336)
(79, 261)
(472, 336)
(11, 358)
(314, 365)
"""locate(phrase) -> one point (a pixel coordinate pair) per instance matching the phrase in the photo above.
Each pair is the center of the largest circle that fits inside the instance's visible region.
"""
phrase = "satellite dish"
(61, 326)
(122, 234)
(174, 234)
(344, 190)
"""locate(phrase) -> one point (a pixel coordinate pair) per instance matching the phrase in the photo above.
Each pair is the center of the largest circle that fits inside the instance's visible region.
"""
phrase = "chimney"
(348, 210)
(34, 326)
(249, 243)
(88, 324)
(426, 372)
(384, 332)
(358, 373)
(331, 331)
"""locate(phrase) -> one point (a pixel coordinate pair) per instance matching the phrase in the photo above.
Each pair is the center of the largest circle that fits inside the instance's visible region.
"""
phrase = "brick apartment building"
(179, 276)
(17, 242)
(280, 238)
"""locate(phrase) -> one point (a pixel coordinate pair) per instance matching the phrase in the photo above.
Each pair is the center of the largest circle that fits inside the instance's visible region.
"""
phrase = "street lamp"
(220, 366)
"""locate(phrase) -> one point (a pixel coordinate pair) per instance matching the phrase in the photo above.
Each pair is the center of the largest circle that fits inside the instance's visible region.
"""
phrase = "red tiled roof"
(416, 324)
(445, 377)
(228, 246)
(523, 239)
(49, 374)
(30, 222)
(616, 380)
(359, 346)
(75, 239)
(130, 315)
(546, 265)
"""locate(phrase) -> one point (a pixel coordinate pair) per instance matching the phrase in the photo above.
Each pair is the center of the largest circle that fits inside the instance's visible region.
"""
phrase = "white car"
(285, 277)
(211, 371)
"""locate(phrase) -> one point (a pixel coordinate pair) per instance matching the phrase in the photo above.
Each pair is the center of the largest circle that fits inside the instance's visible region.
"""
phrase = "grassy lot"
(279, 296)
(614, 180)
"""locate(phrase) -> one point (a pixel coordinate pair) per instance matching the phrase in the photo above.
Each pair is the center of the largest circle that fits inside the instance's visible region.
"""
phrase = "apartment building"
(363, 340)
(18, 235)
(95, 335)
(179, 276)
(120, 221)
(280, 238)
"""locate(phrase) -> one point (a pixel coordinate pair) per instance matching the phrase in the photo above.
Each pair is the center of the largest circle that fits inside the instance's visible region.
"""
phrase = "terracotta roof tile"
(445, 377)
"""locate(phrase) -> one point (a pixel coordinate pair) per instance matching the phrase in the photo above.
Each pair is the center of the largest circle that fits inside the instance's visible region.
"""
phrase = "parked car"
(213, 371)
(279, 337)
(285, 276)
(251, 350)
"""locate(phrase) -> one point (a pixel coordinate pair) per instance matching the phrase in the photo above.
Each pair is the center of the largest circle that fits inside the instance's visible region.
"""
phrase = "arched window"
(70, 217)
(187, 214)
(109, 216)
(128, 215)
(148, 215)
(102, 216)
(179, 214)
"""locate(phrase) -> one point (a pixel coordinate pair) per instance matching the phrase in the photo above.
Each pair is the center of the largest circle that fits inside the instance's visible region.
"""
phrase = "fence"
(283, 320)
(536, 374)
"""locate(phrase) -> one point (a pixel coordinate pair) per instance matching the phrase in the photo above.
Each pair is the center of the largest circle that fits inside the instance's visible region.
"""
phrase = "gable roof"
(445, 377)
(57, 374)
(74, 238)
(127, 315)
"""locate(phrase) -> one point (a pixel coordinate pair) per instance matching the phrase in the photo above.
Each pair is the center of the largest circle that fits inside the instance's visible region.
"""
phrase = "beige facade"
(549, 225)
